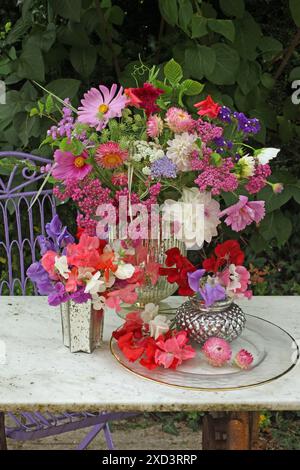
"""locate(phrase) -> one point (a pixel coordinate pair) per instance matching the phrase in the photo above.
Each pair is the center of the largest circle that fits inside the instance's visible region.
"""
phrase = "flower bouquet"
(134, 160)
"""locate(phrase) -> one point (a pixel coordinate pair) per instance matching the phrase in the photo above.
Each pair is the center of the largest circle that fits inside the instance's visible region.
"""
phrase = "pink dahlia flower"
(70, 167)
(243, 359)
(243, 213)
(217, 351)
(154, 126)
(173, 351)
(110, 155)
(179, 120)
(98, 106)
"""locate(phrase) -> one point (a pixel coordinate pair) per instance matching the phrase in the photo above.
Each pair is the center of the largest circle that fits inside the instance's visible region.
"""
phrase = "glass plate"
(274, 350)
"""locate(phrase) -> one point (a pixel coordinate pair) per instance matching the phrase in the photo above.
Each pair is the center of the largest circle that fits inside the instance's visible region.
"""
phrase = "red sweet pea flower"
(144, 97)
(178, 273)
(228, 252)
(208, 108)
(149, 355)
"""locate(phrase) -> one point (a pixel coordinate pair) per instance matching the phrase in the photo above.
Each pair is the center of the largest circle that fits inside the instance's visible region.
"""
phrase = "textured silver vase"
(82, 326)
(224, 320)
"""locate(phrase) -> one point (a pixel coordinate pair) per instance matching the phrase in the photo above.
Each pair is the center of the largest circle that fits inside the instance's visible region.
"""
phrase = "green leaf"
(169, 10)
(200, 61)
(69, 9)
(49, 104)
(248, 76)
(185, 15)
(296, 193)
(116, 15)
(191, 87)
(258, 243)
(295, 74)
(199, 26)
(45, 38)
(275, 201)
(31, 63)
(76, 147)
(268, 81)
(83, 60)
(18, 31)
(64, 87)
(247, 36)
(270, 47)
(173, 72)
(224, 27)
(33, 112)
(233, 7)
(276, 225)
(295, 11)
(226, 65)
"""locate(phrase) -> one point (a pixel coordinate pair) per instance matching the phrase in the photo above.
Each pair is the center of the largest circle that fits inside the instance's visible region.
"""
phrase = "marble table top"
(37, 372)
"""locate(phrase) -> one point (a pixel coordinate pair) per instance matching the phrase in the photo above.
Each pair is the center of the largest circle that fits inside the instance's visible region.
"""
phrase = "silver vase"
(82, 326)
(224, 319)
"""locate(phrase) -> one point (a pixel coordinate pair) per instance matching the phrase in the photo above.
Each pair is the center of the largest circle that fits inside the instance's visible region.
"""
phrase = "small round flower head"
(110, 155)
(217, 351)
(179, 120)
(119, 179)
(243, 359)
(277, 188)
(155, 126)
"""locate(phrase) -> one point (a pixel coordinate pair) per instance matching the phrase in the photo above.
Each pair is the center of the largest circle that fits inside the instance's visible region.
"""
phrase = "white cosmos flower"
(180, 148)
(94, 284)
(264, 155)
(61, 264)
(158, 326)
(197, 215)
(150, 311)
(124, 271)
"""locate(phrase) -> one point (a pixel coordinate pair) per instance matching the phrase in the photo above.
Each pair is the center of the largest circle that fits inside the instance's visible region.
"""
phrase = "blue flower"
(163, 167)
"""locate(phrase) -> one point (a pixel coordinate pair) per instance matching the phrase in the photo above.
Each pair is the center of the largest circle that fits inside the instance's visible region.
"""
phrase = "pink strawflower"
(119, 179)
(217, 351)
(173, 351)
(259, 180)
(110, 155)
(179, 120)
(207, 131)
(216, 178)
(243, 213)
(70, 167)
(98, 106)
(243, 359)
(155, 126)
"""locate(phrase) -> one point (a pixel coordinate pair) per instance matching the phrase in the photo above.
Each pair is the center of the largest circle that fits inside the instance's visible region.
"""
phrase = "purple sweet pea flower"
(80, 297)
(40, 277)
(58, 296)
(45, 244)
(58, 234)
(210, 293)
(194, 279)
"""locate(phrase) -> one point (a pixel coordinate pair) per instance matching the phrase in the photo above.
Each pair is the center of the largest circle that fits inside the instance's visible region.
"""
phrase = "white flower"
(150, 311)
(158, 326)
(264, 155)
(124, 271)
(98, 302)
(147, 151)
(246, 166)
(197, 215)
(94, 284)
(61, 265)
(180, 148)
(146, 170)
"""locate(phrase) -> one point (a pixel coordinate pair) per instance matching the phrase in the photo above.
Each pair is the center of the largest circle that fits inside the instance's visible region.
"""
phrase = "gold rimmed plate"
(274, 350)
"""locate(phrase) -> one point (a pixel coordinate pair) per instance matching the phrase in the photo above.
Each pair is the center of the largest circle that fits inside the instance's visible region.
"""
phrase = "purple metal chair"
(17, 191)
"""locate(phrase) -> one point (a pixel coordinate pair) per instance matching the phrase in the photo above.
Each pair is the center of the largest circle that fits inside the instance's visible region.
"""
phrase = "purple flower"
(225, 114)
(59, 235)
(210, 294)
(163, 167)
(58, 295)
(80, 297)
(40, 277)
(247, 125)
(45, 244)
(194, 279)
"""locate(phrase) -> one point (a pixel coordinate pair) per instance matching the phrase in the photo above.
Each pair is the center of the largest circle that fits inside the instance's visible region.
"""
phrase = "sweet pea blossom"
(243, 213)
(94, 284)
(236, 280)
(264, 155)
(194, 279)
(149, 313)
(61, 265)
(124, 271)
(158, 326)
(211, 293)
(174, 351)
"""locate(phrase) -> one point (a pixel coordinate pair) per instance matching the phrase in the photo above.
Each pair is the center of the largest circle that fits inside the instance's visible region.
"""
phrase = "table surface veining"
(37, 372)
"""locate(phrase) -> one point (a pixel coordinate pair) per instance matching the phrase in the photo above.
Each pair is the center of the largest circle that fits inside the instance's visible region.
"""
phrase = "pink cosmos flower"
(236, 279)
(243, 359)
(173, 351)
(70, 167)
(110, 155)
(243, 213)
(179, 120)
(154, 126)
(217, 351)
(98, 106)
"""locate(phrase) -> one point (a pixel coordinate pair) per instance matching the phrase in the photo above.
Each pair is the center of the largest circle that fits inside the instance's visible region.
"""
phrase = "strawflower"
(217, 351)
(243, 359)
(110, 155)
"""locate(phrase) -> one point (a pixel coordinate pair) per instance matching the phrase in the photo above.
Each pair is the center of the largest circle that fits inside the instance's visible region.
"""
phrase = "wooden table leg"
(3, 445)
(231, 431)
